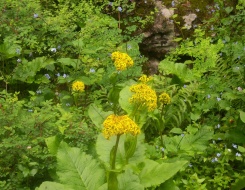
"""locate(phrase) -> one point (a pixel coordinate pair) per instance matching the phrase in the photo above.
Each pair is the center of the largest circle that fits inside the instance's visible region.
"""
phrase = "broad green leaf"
(104, 147)
(197, 142)
(129, 181)
(69, 62)
(239, 184)
(169, 185)
(176, 131)
(124, 97)
(78, 170)
(97, 115)
(242, 116)
(53, 144)
(154, 173)
(53, 186)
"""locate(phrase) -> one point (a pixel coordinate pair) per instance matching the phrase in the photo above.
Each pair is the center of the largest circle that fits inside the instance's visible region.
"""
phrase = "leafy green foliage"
(161, 172)
(46, 46)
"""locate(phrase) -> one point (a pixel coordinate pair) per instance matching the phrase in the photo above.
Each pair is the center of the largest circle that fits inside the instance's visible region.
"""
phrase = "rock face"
(158, 40)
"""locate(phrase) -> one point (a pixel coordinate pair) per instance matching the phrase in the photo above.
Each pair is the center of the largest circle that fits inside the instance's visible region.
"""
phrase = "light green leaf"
(69, 62)
(129, 181)
(154, 173)
(124, 97)
(104, 146)
(97, 115)
(242, 116)
(176, 131)
(53, 144)
(53, 186)
(78, 170)
(169, 185)
(239, 184)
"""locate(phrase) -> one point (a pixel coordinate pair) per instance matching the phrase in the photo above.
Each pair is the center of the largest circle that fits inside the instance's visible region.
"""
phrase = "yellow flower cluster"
(121, 60)
(145, 79)
(117, 125)
(144, 95)
(78, 86)
(164, 98)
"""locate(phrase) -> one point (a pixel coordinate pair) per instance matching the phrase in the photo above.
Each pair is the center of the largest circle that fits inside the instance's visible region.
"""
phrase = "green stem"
(133, 114)
(113, 163)
(161, 130)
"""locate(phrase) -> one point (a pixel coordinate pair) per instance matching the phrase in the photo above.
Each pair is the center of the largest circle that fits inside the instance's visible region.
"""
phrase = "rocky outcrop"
(158, 39)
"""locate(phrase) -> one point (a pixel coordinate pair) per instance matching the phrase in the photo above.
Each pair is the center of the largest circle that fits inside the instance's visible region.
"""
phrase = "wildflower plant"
(118, 125)
(77, 88)
(121, 60)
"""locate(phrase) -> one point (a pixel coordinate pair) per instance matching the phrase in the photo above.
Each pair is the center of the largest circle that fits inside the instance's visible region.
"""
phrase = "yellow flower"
(117, 125)
(145, 79)
(78, 86)
(121, 60)
(164, 98)
(144, 95)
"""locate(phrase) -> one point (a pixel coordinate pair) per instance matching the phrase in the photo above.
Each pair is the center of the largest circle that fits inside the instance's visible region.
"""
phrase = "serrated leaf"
(154, 173)
(78, 170)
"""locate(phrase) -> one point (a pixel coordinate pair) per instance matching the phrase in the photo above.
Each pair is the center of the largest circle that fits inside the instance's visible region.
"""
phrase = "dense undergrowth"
(77, 112)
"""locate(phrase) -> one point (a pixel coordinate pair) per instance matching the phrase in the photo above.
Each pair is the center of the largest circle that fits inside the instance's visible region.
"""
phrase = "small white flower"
(92, 70)
(53, 50)
(47, 76)
(38, 91)
(17, 51)
(119, 9)
(68, 104)
(35, 15)
(238, 154)
(28, 147)
(65, 75)
(239, 88)
(218, 99)
(162, 149)
(217, 126)
(173, 3)
(234, 146)
(218, 154)
(229, 150)
(214, 160)
(18, 60)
